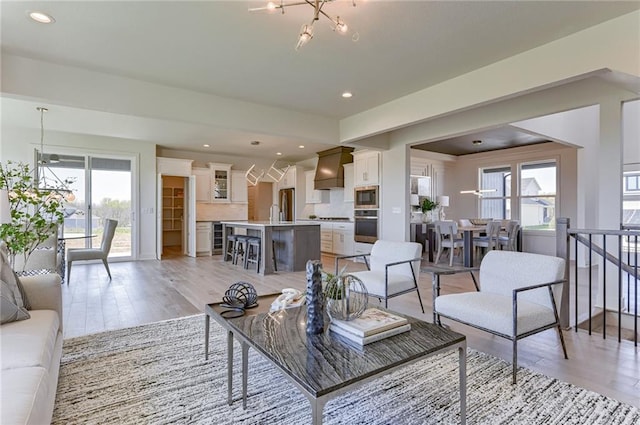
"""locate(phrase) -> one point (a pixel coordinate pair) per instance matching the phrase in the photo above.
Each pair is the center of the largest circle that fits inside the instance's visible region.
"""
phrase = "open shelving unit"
(172, 215)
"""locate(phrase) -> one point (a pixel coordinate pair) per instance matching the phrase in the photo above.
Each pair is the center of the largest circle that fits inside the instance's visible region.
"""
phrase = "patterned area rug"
(156, 374)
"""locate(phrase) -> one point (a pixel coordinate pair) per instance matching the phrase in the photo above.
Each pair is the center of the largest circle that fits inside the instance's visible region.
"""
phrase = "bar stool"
(253, 253)
(230, 248)
(242, 242)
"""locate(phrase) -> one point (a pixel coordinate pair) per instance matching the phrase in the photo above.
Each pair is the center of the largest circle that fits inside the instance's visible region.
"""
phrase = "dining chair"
(84, 254)
(489, 241)
(447, 237)
(508, 242)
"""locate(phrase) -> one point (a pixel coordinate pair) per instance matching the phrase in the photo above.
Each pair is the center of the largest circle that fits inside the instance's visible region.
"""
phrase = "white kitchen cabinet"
(366, 168)
(314, 196)
(203, 238)
(289, 179)
(343, 243)
(348, 182)
(203, 184)
(337, 238)
(239, 192)
(220, 182)
(326, 237)
(173, 166)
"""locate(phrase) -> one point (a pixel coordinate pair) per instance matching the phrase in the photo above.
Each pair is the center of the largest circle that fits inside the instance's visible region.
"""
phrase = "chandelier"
(306, 32)
(47, 180)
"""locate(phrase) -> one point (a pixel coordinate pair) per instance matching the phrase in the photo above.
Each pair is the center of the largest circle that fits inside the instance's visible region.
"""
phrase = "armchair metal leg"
(515, 360)
(420, 298)
(564, 347)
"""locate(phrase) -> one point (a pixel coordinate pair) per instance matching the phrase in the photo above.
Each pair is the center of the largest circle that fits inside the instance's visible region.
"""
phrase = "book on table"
(364, 340)
(372, 321)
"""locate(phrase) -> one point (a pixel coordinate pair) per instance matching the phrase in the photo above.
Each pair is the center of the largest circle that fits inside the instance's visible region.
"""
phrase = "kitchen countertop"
(268, 223)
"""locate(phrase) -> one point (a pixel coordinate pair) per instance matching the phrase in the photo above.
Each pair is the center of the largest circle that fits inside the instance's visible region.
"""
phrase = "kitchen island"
(295, 242)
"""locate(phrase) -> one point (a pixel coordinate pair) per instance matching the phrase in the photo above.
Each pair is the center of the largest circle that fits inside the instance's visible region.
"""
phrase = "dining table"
(467, 237)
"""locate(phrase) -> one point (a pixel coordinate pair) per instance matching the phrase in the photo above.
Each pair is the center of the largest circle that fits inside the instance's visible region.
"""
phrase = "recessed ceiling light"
(255, 142)
(41, 17)
(347, 94)
(301, 146)
(206, 146)
(279, 153)
(477, 142)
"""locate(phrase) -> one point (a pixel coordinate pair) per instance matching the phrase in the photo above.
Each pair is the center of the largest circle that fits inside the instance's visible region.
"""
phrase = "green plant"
(333, 285)
(35, 212)
(428, 205)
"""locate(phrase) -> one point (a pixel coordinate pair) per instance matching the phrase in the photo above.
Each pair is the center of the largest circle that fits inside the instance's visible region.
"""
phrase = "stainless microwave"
(366, 197)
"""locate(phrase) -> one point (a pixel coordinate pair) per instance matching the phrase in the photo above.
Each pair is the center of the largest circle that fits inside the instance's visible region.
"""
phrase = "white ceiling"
(220, 48)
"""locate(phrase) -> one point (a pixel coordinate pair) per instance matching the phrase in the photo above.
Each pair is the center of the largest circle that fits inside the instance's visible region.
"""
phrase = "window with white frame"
(537, 195)
(495, 185)
(631, 197)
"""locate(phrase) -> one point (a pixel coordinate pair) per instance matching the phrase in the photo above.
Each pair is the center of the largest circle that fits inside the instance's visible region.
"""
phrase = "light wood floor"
(148, 291)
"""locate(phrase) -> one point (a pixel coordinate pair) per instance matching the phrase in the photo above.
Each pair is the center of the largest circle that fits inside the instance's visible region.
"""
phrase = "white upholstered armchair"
(512, 285)
(393, 269)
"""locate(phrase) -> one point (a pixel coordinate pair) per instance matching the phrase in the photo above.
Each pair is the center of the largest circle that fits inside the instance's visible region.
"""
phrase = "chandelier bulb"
(306, 34)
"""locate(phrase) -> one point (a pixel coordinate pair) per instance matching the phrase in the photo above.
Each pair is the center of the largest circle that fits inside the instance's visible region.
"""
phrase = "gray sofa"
(30, 355)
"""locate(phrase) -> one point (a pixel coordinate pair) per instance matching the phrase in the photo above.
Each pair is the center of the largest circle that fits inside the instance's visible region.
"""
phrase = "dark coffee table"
(281, 338)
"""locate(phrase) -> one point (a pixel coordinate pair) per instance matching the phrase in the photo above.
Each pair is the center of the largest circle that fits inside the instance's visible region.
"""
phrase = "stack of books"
(373, 325)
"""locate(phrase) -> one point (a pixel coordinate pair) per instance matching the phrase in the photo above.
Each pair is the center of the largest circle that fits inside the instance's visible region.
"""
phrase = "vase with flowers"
(428, 207)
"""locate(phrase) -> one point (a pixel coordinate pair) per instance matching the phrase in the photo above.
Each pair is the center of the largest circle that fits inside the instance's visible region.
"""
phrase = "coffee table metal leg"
(462, 353)
(229, 367)
(245, 373)
(317, 406)
(206, 336)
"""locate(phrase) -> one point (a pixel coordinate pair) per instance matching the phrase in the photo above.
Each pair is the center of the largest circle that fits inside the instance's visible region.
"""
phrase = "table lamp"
(443, 201)
(5, 210)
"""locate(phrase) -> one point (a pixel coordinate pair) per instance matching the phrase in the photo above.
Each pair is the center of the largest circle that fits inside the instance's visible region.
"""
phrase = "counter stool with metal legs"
(253, 253)
(230, 248)
(242, 243)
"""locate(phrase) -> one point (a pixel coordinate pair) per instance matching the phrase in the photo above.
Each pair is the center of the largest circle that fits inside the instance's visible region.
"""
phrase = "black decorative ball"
(241, 294)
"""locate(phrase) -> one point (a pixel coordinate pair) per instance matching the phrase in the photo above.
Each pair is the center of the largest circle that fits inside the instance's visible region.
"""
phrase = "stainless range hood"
(329, 172)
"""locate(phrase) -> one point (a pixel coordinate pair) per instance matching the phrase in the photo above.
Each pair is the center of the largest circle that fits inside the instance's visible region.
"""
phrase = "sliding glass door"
(101, 188)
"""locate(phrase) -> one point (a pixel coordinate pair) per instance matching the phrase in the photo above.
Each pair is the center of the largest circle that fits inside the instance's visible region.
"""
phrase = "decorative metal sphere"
(241, 294)
(346, 297)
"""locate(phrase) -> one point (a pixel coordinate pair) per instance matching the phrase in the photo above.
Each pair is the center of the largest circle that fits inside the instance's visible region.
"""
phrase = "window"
(538, 182)
(495, 185)
(632, 182)
(631, 197)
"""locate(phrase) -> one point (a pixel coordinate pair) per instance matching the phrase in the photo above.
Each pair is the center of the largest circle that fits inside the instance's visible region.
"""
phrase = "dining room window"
(631, 198)
(495, 192)
(537, 195)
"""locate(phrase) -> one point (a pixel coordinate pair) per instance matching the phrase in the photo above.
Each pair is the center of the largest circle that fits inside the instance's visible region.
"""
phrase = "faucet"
(271, 212)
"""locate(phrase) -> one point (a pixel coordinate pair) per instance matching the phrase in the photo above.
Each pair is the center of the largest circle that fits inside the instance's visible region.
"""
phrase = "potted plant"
(35, 212)
(428, 206)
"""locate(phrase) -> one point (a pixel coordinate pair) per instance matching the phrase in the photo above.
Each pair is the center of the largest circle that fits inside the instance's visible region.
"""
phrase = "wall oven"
(365, 197)
(366, 226)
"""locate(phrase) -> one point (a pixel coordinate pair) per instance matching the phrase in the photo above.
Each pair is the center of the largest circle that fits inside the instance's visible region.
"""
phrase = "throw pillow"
(9, 309)
(10, 277)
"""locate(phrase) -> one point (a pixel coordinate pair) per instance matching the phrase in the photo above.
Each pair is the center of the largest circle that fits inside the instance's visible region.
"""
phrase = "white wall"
(18, 145)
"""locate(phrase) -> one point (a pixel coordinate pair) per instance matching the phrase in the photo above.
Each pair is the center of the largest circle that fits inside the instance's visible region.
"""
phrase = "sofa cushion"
(25, 396)
(11, 278)
(9, 309)
(30, 342)
(374, 282)
(494, 312)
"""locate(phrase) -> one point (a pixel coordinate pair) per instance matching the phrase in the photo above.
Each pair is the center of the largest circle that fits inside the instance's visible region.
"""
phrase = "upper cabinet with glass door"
(220, 182)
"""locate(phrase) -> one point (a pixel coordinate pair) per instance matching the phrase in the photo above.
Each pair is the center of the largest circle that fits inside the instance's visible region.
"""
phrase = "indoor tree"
(35, 212)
